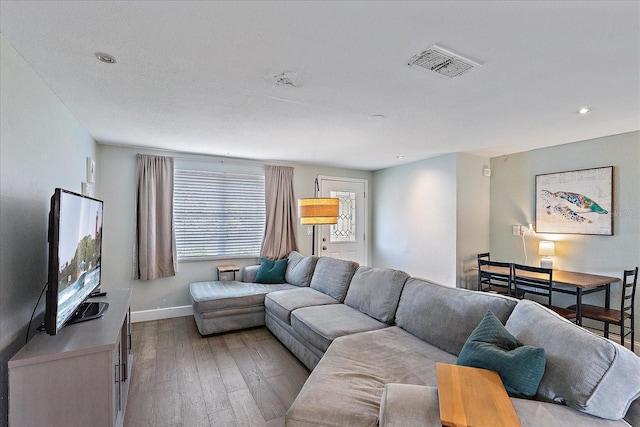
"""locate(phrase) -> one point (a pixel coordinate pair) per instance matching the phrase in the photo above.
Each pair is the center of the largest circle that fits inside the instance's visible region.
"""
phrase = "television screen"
(75, 248)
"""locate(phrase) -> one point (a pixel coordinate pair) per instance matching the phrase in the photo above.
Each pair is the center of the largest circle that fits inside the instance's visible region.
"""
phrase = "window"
(345, 229)
(218, 215)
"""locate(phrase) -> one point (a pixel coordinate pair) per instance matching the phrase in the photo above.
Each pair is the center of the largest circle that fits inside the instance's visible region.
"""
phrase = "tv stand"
(79, 376)
(88, 311)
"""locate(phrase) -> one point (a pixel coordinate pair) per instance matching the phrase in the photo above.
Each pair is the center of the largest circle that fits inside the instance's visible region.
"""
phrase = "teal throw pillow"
(271, 271)
(491, 346)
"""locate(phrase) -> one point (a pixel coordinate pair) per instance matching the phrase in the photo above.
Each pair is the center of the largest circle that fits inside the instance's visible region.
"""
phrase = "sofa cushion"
(300, 269)
(584, 371)
(407, 405)
(445, 316)
(332, 276)
(320, 325)
(490, 346)
(271, 271)
(282, 303)
(224, 295)
(346, 387)
(376, 292)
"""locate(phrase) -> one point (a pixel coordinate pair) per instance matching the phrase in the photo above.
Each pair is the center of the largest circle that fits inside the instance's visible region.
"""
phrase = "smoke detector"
(286, 78)
(444, 62)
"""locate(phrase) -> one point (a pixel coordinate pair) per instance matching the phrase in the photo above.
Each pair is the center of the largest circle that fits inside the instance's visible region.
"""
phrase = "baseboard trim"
(161, 313)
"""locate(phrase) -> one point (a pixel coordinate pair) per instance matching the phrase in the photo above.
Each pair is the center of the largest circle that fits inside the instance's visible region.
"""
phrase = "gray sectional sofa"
(372, 338)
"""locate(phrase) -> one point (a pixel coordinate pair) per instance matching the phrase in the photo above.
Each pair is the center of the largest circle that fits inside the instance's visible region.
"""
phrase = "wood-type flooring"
(245, 379)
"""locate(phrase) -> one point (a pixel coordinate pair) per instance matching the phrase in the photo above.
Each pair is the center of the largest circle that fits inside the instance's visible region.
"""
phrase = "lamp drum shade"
(318, 211)
(546, 248)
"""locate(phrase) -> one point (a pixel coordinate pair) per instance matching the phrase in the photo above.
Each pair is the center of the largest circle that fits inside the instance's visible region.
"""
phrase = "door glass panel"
(345, 229)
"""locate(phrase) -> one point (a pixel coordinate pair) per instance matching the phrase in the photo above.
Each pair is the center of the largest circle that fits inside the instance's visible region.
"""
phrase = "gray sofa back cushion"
(332, 276)
(376, 292)
(445, 317)
(583, 371)
(300, 269)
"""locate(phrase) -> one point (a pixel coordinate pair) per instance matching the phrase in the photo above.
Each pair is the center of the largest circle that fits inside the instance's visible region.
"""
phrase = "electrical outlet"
(527, 229)
(516, 230)
(309, 231)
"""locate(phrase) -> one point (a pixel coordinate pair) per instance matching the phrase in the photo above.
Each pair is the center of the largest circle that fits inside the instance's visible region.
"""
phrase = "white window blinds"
(218, 215)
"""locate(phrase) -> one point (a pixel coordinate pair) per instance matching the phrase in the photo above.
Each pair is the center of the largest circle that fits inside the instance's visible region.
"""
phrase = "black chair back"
(533, 280)
(629, 282)
(494, 281)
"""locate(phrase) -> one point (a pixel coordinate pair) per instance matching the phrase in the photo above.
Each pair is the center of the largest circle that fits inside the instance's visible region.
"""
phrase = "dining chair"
(491, 281)
(538, 281)
(484, 256)
(618, 317)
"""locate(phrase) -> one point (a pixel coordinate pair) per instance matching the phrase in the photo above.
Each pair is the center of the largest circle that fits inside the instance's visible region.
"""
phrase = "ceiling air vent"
(443, 61)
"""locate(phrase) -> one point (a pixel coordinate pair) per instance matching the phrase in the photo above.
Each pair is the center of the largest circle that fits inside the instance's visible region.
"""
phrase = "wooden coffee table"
(473, 397)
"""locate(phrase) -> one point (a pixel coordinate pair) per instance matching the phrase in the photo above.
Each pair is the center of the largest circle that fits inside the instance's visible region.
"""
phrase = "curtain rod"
(208, 158)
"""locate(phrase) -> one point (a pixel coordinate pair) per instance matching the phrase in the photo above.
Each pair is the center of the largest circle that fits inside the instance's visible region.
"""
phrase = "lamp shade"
(546, 248)
(318, 211)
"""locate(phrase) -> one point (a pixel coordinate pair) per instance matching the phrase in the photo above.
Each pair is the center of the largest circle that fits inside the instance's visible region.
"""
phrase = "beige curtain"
(154, 246)
(280, 202)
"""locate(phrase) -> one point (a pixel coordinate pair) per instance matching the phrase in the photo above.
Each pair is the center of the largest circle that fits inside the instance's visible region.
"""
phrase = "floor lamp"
(318, 211)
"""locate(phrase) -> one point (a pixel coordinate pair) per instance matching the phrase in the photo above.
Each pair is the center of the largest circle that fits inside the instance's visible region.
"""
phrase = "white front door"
(346, 239)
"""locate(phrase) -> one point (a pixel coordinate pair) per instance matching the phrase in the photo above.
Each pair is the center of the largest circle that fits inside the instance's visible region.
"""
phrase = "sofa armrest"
(407, 405)
(249, 273)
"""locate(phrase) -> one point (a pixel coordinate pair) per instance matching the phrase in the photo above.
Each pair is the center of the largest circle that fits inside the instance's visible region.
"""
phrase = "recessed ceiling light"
(376, 117)
(106, 58)
(399, 157)
(584, 110)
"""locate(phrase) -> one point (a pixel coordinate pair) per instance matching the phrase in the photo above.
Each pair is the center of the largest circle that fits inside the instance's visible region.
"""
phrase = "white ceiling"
(198, 77)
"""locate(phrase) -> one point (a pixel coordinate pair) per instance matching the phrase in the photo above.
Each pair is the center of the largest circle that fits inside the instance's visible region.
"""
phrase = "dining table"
(573, 283)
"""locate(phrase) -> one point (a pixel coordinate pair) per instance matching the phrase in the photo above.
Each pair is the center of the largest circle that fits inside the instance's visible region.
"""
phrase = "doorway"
(346, 239)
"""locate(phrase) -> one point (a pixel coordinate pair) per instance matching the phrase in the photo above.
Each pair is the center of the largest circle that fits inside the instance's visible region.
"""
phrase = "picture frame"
(575, 202)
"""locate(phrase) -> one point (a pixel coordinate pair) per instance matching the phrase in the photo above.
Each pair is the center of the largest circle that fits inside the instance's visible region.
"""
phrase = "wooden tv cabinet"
(79, 376)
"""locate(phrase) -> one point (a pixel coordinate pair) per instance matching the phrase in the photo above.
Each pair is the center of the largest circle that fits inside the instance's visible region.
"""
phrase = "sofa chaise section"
(221, 306)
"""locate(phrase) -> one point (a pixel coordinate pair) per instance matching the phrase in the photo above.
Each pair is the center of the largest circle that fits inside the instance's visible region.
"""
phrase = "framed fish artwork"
(575, 202)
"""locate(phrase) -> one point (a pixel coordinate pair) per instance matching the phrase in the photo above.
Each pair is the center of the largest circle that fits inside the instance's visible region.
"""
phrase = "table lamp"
(546, 248)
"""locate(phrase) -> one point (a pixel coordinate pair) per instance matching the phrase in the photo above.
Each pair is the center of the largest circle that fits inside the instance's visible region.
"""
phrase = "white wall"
(414, 209)
(431, 217)
(513, 202)
(116, 170)
(473, 212)
(42, 146)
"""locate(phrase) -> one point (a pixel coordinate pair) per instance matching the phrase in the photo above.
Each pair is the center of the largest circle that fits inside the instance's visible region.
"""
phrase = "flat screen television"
(75, 252)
